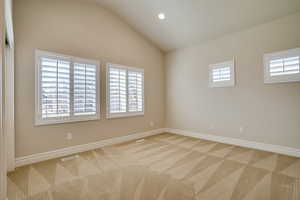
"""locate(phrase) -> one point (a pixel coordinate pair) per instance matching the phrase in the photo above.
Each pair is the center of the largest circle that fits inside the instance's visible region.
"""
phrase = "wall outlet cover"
(69, 136)
(241, 129)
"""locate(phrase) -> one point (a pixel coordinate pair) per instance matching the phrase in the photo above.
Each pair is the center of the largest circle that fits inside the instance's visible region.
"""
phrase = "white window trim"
(58, 120)
(280, 78)
(229, 83)
(126, 114)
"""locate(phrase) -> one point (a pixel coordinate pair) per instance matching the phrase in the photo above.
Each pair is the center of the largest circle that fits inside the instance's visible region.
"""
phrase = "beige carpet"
(163, 167)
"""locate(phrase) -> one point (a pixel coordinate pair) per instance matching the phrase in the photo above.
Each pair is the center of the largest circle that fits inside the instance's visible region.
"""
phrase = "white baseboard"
(21, 161)
(239, 142)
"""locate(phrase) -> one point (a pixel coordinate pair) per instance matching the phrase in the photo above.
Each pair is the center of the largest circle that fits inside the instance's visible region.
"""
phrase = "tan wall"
(83, 29)
(269, 113)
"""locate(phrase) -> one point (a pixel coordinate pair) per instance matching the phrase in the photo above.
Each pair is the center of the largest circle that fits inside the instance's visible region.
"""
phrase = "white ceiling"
(190, 21)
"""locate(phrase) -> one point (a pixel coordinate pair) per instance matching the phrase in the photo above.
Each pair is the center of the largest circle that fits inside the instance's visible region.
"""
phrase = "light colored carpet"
(163, 167)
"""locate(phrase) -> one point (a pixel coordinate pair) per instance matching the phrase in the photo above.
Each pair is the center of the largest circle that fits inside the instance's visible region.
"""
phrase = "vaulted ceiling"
(193, 21)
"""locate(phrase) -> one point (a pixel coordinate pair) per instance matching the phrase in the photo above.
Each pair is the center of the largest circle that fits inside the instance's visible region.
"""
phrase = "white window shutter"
(125, 91)
(55, 88)
(135, 91)
(283, 66)
(222, 74)
(85, 94)
(117, 90)
(67, 88)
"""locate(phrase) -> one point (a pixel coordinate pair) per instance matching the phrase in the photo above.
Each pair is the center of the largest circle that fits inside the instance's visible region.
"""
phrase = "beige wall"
(268, 113)
(83, 29)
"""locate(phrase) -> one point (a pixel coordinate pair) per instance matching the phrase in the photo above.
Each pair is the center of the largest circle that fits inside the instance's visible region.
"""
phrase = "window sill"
(40, 122)
(282, 78)
(123, 115)
(222, 84)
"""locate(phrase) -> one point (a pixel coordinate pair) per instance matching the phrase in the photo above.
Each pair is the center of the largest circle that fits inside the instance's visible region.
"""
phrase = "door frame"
(7, 136)
(9, 103)
(9, 88)
(3, 158)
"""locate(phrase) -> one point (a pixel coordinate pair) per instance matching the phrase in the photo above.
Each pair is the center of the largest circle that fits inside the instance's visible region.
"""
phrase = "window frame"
(285, 78)
(225, 83)
(127, 113)
(72, 118)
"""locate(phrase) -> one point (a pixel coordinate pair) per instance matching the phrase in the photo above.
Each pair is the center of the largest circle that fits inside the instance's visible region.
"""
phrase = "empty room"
(150, 100)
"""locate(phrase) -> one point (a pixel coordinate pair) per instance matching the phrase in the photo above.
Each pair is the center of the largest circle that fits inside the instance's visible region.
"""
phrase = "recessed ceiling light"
(161, 16)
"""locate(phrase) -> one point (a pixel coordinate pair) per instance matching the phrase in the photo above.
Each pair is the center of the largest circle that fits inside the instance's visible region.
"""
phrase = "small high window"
(222, 74)
(282, 66)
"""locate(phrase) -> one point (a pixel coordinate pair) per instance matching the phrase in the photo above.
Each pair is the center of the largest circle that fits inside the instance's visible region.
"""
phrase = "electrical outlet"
(151, 124)
(69, 136)
(211, 126)
(241, 129)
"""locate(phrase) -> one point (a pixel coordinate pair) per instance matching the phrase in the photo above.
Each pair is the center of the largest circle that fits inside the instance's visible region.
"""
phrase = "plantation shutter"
(54, 87)
(67, 89)
(125, 91)
(284, 66)
(117, 90)
(85, 94)
(135, 91)
(221, 74)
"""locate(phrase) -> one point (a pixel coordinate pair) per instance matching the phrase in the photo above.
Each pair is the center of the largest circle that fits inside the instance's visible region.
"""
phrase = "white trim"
(3, 153)
(72, 118)
(81, 148)
(9, 122)
(9, 117)
(125, 67)
(225, 83)
(5, 25)
(121, 115)
(239, 142)
(127, 113)
(280, 78)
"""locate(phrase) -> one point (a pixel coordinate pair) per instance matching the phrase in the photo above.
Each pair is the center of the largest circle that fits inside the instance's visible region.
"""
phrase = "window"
(67, 88)
(222, 74)
(282, 66)
(125, 91)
